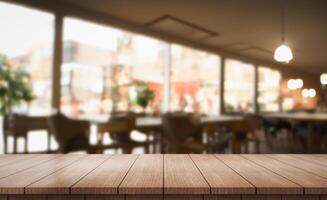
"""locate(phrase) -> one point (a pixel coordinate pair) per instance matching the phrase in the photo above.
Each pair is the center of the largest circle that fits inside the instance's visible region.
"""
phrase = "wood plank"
(183, 197)
(104, 197)
(145, 177)
(320, 160)
(181, 176)
(61, 181)
(3, 197)
(65, 197)
(147, 196)
(27, 197)
(107, 177)
(9, 159)
(301, 164)
(261, 197)
(312, 184)
(24, 164)
(16, 183)
(265, 181)
(222, 197)
(302, 197)
(221, 178)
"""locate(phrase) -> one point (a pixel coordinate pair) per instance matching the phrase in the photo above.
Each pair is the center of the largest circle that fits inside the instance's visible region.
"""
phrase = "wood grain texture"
(3, 197)
(222, 197)
(27, 197)
(261, 197)
(312, 184)
(9, 159)
(297, 197)
(303, 164)
(316, 159)
(107, 177)
(145, 176)
(221, 178)
(147, 196)
(61, 181)
(181, 176)
(65, 197)
(104, 197)
(24, 164)
(265, 181)
(16, 183)
(183, 197)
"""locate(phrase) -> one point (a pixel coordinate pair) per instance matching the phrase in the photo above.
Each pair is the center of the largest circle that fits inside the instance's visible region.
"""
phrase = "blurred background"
(158, 77)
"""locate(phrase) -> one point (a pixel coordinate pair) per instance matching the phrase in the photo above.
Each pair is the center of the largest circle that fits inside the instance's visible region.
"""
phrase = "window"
(27, 41)
(239, 86)
(194, 81)
(268, 89)
(103, 66)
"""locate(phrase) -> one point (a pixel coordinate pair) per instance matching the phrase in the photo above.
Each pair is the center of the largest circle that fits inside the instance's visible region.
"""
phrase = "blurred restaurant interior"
(124, 76)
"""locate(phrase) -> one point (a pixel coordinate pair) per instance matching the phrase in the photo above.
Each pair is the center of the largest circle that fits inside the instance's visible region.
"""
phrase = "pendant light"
(283, 53)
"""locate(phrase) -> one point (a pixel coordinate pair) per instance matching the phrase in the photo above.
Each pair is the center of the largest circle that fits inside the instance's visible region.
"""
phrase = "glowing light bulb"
(291, 84)
(312, 92)
(305, 93)
(299, 83)
(323, 78)
(283, 54)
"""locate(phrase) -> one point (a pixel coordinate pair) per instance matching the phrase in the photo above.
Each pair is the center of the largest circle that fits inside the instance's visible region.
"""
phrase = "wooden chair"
(181, 133)
(71, 135)
(119, 127)
(251, 124)
(244, 133)
(218, 138)
(17, 125)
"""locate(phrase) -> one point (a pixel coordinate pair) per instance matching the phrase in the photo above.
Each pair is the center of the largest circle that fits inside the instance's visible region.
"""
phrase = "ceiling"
(245, 27)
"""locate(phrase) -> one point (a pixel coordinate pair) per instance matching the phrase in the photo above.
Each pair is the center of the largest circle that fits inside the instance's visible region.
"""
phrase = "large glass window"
(103, 67)
(239, 86)
(194, 81)
(26, 38)
(268, 89)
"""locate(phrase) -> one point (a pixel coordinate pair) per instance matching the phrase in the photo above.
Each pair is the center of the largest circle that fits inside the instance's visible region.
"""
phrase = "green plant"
(14, 87)
(144, 95)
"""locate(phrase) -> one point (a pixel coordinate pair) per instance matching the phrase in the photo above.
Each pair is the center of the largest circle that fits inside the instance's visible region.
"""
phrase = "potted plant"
(14, 88)
(144, 95)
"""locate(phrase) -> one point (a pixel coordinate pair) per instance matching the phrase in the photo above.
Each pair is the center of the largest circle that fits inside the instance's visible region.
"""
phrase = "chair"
(245, 133)
(17, 125)
(119, 128)
(275, 132)
(218, 139)
(71, 135)
(181, 133)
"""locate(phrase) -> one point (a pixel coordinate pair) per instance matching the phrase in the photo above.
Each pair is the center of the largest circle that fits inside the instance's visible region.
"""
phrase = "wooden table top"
(163, 174)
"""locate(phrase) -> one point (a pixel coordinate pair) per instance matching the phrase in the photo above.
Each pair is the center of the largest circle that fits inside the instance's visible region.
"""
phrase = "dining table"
(163, 176)
(311, 119)
(153, 125)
